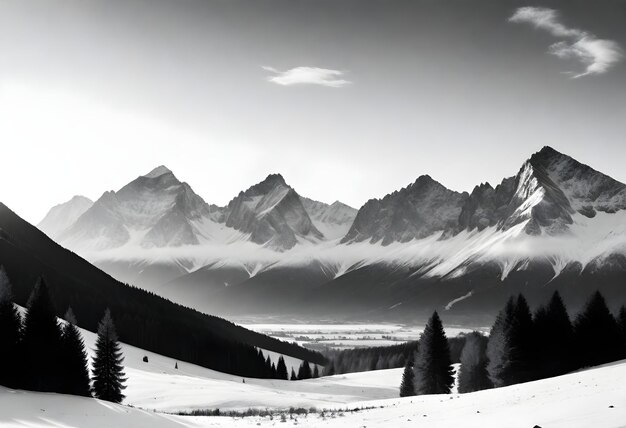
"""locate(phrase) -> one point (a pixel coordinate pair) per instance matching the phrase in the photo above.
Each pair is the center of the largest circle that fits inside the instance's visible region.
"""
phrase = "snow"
(62, 216)
(590, 398)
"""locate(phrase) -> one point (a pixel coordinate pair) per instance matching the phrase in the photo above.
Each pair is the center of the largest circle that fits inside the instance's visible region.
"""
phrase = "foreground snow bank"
(591, 398)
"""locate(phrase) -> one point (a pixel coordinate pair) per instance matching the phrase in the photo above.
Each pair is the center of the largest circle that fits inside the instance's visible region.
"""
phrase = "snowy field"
(592, 398)
(346, 336)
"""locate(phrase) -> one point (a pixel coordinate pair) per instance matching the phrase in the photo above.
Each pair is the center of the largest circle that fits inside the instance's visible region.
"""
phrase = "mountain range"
(555, 224)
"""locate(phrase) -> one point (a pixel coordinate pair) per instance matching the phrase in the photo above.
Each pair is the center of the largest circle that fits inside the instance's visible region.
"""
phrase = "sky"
(348, 99)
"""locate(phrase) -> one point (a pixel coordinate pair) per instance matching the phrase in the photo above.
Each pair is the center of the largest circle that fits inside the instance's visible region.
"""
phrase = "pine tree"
(433, 367)
(329, 370)
(293, 375)
(597, 334)
(316, 372)
(521, 350)
(621, 320)
(108, 374)
(74, 364)
(304, 372)
(498, 347)
(281, 369)
(274, 373)
(554, 336)
(473, 374)
(41, 342)
(268, 367)
(407, 386)
(10, 334)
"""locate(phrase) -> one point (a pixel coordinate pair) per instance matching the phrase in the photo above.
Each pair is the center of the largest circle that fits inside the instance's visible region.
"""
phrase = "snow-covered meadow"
(156, 389)
(590, 398)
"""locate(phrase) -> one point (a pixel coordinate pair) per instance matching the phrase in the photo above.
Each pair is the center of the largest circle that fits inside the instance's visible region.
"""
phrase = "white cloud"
(598, 55)
(307, 76)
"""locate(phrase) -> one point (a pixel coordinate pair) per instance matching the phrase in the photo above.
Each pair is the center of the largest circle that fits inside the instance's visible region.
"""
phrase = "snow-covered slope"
(590, 398)
(332, 220)
(62, 216)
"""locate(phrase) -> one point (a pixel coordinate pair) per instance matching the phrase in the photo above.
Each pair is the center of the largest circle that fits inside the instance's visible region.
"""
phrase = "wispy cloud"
(307, 76)
(598, 55)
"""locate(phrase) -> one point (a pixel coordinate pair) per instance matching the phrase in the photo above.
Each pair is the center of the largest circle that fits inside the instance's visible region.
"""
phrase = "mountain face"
(272, 251)
(332, 220)
(414, 212)
(62, 216)
(272, 214)
(154, 210)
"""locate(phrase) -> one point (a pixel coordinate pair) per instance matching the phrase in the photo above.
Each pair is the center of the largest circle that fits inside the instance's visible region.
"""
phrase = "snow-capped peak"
(157, 172)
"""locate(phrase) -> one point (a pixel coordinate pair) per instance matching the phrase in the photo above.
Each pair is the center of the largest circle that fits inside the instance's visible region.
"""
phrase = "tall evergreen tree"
(621, 320)
(304, 372)
(316, 371)
(74, 364)
(407, 386)
(554, 337)
(108, 372)
(293, 375)
(433, 367)
(41, 342)
(329, 370)
(10, 334)
(473, 374)
(596, 333)
(281, 369)
(521, 350)
(268, 367)
(498, 347)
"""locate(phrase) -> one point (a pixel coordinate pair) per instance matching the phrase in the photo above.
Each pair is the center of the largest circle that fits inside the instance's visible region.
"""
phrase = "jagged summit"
(414, 212)
(158, 171)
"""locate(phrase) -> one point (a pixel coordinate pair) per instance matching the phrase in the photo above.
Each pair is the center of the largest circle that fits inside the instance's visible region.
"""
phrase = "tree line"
(41, 354)
(380, 357)
(523, 346)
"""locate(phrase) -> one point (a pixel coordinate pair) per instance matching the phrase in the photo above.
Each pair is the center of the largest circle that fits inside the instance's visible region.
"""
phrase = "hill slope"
(143, 319)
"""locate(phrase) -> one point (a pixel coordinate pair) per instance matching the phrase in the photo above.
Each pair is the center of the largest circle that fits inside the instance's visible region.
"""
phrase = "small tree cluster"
(41, 354)
(272, 370)
(524, 347)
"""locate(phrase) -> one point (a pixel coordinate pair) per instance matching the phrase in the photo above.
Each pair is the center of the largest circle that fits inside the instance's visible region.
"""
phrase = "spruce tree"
(108, 374)
(521, 350)
(74, 364)
(281, 369)
(304, 372)
(407, 386)
(473, 374)
(293, 375)
(621, 320)
(433, 367)
(329, 370)
(316, 372)
(268, 367)
(554, 336)
(597, 334)
(41, 342)
(498, 347)
(10, 334)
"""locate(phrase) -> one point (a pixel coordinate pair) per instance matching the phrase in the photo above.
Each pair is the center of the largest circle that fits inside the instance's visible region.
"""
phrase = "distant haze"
(349, 100)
